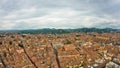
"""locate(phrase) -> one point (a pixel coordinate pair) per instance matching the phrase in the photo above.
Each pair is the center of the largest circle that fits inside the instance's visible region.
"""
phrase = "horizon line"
(57, 28)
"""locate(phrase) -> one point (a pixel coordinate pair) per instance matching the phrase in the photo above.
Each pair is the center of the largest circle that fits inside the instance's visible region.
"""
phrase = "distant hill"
(60, 31)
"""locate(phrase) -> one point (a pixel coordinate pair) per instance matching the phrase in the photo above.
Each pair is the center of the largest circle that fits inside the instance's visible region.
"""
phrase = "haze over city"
(37, 14)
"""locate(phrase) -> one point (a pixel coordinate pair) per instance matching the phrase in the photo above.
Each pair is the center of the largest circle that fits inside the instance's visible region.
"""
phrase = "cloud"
(37, 14)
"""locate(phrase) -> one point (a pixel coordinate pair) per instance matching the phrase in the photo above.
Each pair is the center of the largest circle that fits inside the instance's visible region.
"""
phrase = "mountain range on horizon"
(59, 31)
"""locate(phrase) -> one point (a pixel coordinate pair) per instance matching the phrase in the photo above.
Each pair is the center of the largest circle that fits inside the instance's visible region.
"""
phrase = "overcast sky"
(37, 14)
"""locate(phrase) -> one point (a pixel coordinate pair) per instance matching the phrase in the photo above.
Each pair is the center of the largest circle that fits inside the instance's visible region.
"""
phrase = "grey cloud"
(28, 14)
